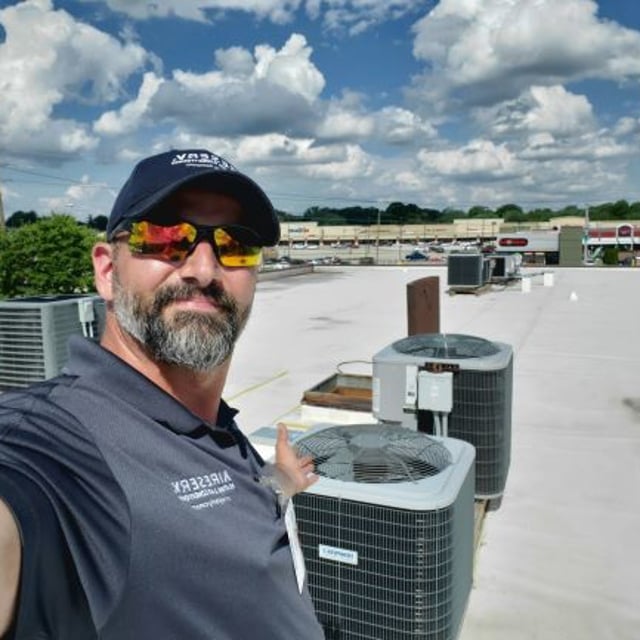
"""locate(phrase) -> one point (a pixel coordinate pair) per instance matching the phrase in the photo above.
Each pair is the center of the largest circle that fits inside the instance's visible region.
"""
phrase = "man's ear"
(102, 256)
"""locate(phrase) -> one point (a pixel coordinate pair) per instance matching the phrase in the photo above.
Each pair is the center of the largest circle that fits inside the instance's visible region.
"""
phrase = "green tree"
(359, 215)
(511, 213)
(481, 212)
(540, 215)
(20, 218)
(401, 213)
(610, 255)
(431, 215)
(324, 216)
(450, 214)
(283, 216)
(620, 210)
(571, 210)
(50, 256)
(98, 222)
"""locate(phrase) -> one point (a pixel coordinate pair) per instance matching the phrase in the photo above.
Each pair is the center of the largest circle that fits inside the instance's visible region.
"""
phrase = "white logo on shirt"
(205, 491)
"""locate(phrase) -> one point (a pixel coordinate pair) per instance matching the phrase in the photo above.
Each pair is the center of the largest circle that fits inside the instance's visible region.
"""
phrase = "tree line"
(22, 218)
(401, 213)
(52, 254)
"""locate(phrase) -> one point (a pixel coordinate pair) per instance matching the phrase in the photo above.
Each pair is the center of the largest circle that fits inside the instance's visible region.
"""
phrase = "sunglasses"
(234, 246)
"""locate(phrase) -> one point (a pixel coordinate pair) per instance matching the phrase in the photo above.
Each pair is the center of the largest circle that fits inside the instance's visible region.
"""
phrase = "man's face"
(188, 313)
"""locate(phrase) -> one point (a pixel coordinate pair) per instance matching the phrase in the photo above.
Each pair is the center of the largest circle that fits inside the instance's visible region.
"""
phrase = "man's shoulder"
(38, 394)
(33, 404)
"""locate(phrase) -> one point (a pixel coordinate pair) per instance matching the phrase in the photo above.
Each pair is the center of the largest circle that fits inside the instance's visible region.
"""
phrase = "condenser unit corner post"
(51, 358)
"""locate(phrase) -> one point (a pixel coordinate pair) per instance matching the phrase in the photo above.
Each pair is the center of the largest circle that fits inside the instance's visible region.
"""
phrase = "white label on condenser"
(411, 385)
(294, 543)
(337, 554)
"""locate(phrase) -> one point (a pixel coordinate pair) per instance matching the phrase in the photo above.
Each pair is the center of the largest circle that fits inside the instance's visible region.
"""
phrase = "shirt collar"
(104, 370)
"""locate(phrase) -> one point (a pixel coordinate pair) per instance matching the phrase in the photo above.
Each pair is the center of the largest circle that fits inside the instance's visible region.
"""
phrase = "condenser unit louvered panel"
(403, 586)
(22, 360)
(482, 416)
(390, 560)
(34, 332)
(482, 396)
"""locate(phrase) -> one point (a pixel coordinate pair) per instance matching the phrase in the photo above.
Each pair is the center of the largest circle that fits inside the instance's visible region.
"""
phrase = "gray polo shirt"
(139, 520)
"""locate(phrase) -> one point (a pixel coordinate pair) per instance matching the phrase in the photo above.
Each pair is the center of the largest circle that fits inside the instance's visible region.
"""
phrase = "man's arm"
(10, 552)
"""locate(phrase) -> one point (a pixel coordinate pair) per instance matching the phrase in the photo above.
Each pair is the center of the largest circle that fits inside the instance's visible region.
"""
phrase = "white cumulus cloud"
(353, 163)
(347, 16)
(127, 118)
(545, 109)
(489, 51)
(290, 67)
(477, 158)
(278, 11)
(47, 58)
(271, 90)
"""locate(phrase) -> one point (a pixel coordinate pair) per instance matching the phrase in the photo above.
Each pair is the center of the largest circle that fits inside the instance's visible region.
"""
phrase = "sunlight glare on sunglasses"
(234, 245)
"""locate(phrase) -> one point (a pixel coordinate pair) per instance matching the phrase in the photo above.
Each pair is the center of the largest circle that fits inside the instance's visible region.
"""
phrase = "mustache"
(213, 292)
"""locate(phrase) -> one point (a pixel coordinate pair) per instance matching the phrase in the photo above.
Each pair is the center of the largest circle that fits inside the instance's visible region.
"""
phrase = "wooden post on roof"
(423, 306)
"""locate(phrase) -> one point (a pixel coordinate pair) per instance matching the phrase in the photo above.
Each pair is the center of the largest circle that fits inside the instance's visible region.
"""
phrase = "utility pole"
(378, 238)
(585, 236)
(2, 223)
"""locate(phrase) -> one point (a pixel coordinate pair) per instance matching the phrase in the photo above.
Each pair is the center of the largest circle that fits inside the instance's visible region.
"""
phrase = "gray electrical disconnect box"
(435, 391)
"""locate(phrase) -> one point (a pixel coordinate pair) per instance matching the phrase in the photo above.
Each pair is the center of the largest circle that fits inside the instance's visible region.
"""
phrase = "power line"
(49, 176)
(319, 199)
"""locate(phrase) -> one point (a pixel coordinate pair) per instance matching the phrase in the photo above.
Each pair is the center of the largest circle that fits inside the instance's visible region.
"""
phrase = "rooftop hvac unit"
(387, 532)
(34, 333)
(505, 265)
(467, 270)
(410, 384)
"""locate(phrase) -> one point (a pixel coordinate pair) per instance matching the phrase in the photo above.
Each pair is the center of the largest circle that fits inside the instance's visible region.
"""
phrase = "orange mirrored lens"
(233, 253)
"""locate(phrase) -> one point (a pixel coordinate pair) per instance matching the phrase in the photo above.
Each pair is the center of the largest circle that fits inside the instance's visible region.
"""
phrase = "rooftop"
(560, 558)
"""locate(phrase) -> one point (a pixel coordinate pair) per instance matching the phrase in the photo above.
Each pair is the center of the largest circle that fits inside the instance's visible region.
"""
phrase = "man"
(131, 506)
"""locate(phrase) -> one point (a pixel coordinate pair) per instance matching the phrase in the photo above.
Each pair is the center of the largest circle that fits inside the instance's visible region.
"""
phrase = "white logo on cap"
(202, 159)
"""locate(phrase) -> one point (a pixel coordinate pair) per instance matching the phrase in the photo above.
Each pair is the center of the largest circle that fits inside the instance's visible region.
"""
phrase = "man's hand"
(295, 473)
(10, 558)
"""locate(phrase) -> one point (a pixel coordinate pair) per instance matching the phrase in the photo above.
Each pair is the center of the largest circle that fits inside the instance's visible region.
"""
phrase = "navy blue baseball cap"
(155, 178)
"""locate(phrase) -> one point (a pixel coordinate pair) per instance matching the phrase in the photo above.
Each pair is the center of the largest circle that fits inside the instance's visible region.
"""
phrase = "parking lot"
(367, 254)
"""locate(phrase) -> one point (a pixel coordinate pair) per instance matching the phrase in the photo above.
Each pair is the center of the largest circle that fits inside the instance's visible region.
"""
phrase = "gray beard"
(197, 341)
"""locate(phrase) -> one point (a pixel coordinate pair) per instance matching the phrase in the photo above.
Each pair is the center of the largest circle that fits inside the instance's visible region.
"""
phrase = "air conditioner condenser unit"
(34, 332)
(467, 270)
(482, 377)
(387, 532)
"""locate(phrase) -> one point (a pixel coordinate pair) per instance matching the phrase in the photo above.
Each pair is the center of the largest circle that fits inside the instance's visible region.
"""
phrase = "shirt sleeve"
(51, 602)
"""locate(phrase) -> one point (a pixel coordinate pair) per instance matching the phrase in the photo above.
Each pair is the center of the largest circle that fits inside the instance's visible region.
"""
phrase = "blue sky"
(449, 103)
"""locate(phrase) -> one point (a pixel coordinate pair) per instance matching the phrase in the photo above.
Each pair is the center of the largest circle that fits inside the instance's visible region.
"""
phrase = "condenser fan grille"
(374, 453)
(446, 346)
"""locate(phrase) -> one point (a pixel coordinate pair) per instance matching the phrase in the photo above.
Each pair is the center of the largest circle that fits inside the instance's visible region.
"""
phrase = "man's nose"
(201, 266)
